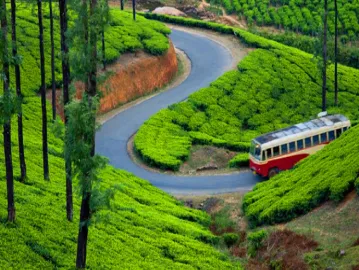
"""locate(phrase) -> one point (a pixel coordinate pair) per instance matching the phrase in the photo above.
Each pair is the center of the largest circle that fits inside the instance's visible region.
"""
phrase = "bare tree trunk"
(66, 97)
(19, 94)
(53, 84)
(7, 122)
(134, 9)
(336, 55)
(122, 4)
(43, 93)
(325, 57)
(103, 49)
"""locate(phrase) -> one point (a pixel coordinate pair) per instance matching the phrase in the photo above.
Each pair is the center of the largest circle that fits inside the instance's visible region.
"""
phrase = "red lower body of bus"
(278, 164)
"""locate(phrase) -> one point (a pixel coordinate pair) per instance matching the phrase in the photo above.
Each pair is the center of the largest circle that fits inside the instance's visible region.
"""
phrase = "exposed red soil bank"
(133, 75)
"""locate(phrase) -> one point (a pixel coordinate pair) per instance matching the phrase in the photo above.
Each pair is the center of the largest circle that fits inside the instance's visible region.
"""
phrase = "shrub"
(240, 160)
(255, 240)
(230, 239)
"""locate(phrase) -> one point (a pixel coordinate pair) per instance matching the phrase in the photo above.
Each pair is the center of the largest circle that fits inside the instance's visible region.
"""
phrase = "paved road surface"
(209, 60)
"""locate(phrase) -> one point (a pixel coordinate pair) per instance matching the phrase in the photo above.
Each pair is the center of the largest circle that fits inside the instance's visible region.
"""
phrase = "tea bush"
(240, 160)
(274, 86)
(329, 174)
(145, 228)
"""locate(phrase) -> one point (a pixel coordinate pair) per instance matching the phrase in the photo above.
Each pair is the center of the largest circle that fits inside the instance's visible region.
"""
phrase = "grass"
(145, 227)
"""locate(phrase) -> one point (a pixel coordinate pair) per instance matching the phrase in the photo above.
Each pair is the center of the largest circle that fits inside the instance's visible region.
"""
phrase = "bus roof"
(307, 128)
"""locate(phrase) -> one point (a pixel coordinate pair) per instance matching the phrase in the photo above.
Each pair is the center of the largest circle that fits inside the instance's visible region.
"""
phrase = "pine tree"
(18, 93)
(6, 102)
(66, 98)
(43, 93)
(53, 83)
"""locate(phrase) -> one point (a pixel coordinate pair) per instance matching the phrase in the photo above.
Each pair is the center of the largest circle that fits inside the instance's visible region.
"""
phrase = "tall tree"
(7, 115)
(134, 9)
(53, 83)
(122, 4)
(18, 93)
(336, 52)
(325, 57)
(66, 98)
(43, 92)
(82, 120)
(103, 48)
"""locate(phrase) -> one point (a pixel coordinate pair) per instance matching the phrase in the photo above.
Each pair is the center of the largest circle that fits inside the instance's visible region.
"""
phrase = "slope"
(145, 228)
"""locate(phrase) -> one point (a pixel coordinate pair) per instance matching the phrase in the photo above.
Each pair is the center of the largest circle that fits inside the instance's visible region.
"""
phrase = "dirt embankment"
(132, 76)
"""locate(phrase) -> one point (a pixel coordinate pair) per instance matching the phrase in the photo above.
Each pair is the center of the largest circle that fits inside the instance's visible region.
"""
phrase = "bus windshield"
(256, 150)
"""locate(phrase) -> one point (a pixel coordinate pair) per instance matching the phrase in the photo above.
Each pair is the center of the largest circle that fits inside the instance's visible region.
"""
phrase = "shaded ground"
(207, 158)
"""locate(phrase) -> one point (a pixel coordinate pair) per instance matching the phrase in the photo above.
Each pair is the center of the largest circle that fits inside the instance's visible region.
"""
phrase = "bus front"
(255, 158)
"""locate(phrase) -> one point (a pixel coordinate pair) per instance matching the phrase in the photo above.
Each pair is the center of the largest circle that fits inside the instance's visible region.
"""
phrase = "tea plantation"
(303, 16)
(274, 86)
(329, 174)
(122, 35)
(145, 228)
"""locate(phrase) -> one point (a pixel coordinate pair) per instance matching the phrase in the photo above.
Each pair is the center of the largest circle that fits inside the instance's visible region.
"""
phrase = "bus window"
(276, 151)
(300, 144)
(331, 135)
(339, 132)
(323, 137)
(284, 149)
(308, 142)
(263, 155)
(316, 140)
(345, 129)
(292, 147)
(269, 153)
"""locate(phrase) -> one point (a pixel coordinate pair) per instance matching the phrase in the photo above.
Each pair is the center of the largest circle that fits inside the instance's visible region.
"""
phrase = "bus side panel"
(282, 164)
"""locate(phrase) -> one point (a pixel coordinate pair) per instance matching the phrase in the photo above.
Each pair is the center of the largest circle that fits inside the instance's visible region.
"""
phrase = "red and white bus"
(282, 149)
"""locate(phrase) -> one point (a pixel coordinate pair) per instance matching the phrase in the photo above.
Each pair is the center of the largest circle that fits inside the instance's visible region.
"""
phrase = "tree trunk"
(66, 97)
(103, 49)
(19, 94)
(83, 231)
(7, 122)
(43, 93)
(336, 55)
(325, 57)
(134, 9)
(53, 84)
(122, 4)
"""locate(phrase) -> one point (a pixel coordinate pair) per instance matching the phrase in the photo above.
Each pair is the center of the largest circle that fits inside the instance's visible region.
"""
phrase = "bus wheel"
(273, 172)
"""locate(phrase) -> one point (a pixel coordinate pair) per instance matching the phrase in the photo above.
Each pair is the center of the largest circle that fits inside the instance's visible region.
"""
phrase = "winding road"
(209, 60)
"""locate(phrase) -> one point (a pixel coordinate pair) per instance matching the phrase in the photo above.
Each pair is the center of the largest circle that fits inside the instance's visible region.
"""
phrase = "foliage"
(240, 160)
(303, 16)
(146, 228)
(255, 240)
(275, 86)
(328, 174)
(121, 36)
(230, 239)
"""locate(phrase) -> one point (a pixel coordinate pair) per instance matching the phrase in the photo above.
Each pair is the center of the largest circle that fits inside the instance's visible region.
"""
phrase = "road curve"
(209, 60)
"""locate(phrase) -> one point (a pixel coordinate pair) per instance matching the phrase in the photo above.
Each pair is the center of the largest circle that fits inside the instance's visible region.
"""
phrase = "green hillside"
(329, 174)
(273, 87)
(145, 228)
(303, 16)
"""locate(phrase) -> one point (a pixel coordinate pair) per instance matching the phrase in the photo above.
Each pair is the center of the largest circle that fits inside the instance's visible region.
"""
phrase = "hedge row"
(145, 229)
(300, 16)
(240, 160)
(274, 87)
(329, 174)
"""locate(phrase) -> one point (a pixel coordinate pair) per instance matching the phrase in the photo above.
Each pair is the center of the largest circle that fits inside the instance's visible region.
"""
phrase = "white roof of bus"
(302, 130)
